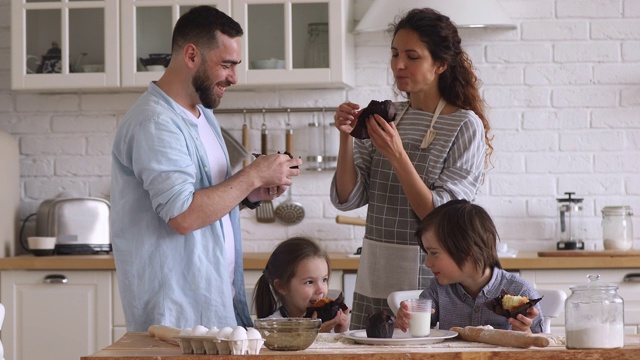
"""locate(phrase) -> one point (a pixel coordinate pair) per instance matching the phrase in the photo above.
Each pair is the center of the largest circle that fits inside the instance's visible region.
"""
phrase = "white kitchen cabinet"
(64, 44)
(119, 325)
(101, 42)
(292, 35)
(147, 26)
(55, 315)
(564, 279)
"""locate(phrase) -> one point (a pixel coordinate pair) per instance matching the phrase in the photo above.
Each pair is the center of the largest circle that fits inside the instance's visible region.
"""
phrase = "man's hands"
(272, 175)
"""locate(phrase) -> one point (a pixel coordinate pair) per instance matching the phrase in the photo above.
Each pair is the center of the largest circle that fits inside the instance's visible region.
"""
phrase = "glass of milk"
(420, 321)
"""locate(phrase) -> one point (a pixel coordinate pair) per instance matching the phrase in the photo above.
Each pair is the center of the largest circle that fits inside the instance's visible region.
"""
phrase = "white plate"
(400, 338)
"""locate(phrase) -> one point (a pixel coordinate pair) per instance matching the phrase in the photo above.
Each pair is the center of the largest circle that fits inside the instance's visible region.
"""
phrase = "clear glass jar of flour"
(594, 316)
(617, 227)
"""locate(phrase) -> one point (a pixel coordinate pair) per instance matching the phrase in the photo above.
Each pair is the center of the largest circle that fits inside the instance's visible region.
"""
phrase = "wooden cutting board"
(585, 253)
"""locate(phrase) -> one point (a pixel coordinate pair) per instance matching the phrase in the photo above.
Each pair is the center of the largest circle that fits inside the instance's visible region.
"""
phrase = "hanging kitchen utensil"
(289, 211)
(288, 135)
(236, 151)
(263, 135)
(264, 212)
(245, 137)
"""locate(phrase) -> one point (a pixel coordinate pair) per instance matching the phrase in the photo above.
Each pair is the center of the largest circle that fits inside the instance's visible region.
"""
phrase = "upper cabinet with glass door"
(147, 27)
(64, 44)
(297, 43)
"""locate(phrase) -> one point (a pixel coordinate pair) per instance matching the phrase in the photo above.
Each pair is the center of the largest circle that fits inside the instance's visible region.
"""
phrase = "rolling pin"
(508, 338)
(348, 220)
(164, 333)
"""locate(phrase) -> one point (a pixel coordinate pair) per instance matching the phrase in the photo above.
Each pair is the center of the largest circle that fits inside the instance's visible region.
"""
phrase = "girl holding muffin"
(295, 278)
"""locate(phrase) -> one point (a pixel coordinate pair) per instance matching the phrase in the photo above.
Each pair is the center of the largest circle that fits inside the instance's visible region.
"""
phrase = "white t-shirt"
(218, 170)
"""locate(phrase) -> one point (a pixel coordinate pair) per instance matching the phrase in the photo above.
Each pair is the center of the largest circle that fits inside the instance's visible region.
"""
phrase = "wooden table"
(141, 346)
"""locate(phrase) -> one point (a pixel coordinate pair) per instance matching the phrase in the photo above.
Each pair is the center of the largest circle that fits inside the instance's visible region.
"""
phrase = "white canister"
(594, 316)
(617, 227)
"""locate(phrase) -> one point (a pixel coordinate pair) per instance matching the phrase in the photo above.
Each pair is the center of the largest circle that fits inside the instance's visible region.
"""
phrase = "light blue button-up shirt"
(165, 278)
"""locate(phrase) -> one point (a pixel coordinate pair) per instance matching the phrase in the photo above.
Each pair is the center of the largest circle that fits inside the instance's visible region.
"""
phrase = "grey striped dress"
(452, 166)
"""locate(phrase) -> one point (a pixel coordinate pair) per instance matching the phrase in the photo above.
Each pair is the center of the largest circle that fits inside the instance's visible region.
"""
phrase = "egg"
(185, 332)
(252, 334)
(199, 331)
(224, 333)
(254, 342)
(239, 333)
(213, 331)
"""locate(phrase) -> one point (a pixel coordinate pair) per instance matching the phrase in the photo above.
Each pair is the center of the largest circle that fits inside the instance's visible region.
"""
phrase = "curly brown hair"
(458, 84)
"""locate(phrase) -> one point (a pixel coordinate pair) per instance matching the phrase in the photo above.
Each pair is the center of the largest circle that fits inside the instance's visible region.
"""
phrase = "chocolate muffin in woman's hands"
(327, 308)
(380, 325)
(385, 109)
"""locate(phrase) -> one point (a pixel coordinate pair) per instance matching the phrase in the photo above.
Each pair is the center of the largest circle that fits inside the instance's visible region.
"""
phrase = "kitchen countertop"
(141, 346)
(339, 261)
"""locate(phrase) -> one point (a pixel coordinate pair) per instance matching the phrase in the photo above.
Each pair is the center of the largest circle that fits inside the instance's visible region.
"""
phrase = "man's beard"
(203, 86)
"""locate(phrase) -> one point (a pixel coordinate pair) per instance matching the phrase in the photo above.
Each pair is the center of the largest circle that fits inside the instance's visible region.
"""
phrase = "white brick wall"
(563, 92)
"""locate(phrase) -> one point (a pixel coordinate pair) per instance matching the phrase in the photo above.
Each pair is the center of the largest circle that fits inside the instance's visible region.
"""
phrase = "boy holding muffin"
(459, 239)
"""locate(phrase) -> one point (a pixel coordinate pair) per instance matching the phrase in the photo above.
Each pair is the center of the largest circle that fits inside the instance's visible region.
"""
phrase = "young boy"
(459, 239)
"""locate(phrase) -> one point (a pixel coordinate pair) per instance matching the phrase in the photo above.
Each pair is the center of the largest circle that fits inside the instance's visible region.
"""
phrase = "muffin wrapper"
(380, 325)
(385, 109)
(495, 305)
(329, 310)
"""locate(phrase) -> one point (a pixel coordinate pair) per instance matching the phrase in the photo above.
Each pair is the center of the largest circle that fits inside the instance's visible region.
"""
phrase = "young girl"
(459, 239)
(296, 276)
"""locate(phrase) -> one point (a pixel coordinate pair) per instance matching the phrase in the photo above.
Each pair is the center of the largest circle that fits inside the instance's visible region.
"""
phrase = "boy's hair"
(465, 231)
(282, 266)
(199, 26)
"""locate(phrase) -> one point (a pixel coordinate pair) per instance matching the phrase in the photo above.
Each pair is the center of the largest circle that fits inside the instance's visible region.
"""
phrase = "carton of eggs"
(225, 341)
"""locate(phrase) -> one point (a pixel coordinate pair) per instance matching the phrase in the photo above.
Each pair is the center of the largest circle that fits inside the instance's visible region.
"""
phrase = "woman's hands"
(522, 322)
(385, 137)
(346, 117)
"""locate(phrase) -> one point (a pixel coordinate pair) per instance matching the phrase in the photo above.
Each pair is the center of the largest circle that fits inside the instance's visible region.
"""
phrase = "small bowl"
(47, 252)
(155, 67)
(267, 64)
(288, 334)
(89, 68)
(41, 245)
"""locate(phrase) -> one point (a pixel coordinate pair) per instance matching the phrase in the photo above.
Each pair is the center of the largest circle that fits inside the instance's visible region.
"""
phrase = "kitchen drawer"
(55, 314)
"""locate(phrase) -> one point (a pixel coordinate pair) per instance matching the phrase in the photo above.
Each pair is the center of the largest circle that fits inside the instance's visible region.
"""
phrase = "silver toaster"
(80, 225)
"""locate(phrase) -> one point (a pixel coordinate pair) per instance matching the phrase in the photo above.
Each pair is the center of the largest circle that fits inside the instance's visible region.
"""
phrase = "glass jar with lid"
(594, 316)
(617, 227)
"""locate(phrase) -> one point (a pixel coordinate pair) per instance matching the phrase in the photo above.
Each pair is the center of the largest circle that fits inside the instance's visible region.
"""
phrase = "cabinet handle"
(55, 279)
(634, 277)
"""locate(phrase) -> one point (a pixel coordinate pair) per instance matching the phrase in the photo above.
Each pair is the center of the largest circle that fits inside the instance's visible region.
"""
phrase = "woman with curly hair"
(436, 150)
